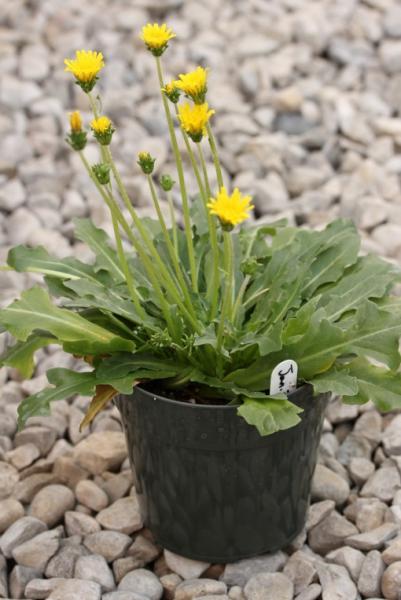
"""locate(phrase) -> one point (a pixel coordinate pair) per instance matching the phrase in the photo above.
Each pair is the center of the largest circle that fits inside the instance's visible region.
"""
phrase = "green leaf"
(297, 325)
(380, 385)
(34, 311)
(336, 381)
(122, 369)
(371, 332)
(371, 277)
(94, 295)
(20, 356)
(98, 241)
(270, 414)
(37, 260)
(66, 384)
(266, 343)
(341, 251)
(375, 333)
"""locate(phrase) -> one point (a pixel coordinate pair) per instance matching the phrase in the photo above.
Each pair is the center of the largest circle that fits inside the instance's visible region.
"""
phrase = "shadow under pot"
(210, 487)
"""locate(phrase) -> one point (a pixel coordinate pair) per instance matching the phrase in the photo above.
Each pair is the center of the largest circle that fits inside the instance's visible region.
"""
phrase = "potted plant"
(188, 329)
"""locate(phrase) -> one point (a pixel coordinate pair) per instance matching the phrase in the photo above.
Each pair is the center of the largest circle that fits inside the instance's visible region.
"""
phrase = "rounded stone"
(269, 586)
(143, 582)
(122, 516)
(50, 504)
(391, 581)
(10, 511)
(8, 479)
(91, 495)
(327, 485)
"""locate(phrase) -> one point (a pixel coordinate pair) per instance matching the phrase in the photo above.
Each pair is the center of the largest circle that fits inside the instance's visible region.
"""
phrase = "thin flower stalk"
(173, 221)
(115, 211)
(169, 244)
(126, 269)
(228, 288)
(215, 155)
(107, 157)
(181, 179)
(167, 279)
(247, 279)
(213, 287)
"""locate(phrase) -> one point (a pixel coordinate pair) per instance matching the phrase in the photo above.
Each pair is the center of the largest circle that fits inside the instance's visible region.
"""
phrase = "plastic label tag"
(284, 377)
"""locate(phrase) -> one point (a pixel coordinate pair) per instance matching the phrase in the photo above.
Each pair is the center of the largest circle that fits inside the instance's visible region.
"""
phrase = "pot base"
(223, 559)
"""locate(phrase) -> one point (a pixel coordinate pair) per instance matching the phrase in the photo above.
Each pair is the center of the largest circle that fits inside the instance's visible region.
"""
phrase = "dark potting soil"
(191, 394)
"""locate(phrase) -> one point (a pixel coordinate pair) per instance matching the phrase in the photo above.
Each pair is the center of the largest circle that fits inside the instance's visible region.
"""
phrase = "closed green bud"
(146, 162)
(250, 266)
(102, 173)
(77, 140)
(167, 182)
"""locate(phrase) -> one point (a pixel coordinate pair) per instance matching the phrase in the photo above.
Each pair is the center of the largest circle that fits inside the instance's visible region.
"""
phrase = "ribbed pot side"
(210, 487)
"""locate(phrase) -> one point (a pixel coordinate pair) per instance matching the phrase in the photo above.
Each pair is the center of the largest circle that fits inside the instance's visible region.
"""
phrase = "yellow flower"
(85, 67)
(76, 121)
(231, 210)
(194, 119)
(101, 124)
(102, 129)
(194, 84)
(156, 37)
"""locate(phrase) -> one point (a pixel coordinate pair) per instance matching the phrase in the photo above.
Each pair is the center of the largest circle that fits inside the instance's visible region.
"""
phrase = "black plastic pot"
(210, 487)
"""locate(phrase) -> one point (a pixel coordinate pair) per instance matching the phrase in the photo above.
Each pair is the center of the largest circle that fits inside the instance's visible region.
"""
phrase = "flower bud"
(146, 162)
(167, 182)
(102, 130)
(102, 173)
(172, 92)
(77, 138)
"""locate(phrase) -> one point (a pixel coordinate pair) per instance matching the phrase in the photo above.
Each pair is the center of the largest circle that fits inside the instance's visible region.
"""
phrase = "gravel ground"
(307, 95)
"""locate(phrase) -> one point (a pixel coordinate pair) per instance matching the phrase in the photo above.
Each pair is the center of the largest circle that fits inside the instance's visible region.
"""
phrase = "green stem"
(173, 221)
(246, 280)
(204, 170)
(169, 244)
(168, 282)
(125, 267)
(240, 296)
(114, 210)
(216, 160)
(92, 102)
(228, 288)
(213, 284)
(181, 179)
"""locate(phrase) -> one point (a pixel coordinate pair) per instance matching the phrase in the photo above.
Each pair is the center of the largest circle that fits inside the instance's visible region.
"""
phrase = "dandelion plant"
(207, 307)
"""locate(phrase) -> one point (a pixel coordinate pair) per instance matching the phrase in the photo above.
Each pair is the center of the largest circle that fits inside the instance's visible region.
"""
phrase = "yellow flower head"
(156, 37)
(101, 124)
(85, 67)
(194, 118)
(103, 130)
(231, 210)
(76, 121)
(194, 84)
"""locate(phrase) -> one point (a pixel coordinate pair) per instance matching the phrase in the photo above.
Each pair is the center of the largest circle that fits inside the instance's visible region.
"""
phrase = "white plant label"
(284, 377)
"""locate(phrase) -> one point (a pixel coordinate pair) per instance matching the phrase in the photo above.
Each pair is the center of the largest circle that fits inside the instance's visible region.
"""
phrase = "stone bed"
(307, 97)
